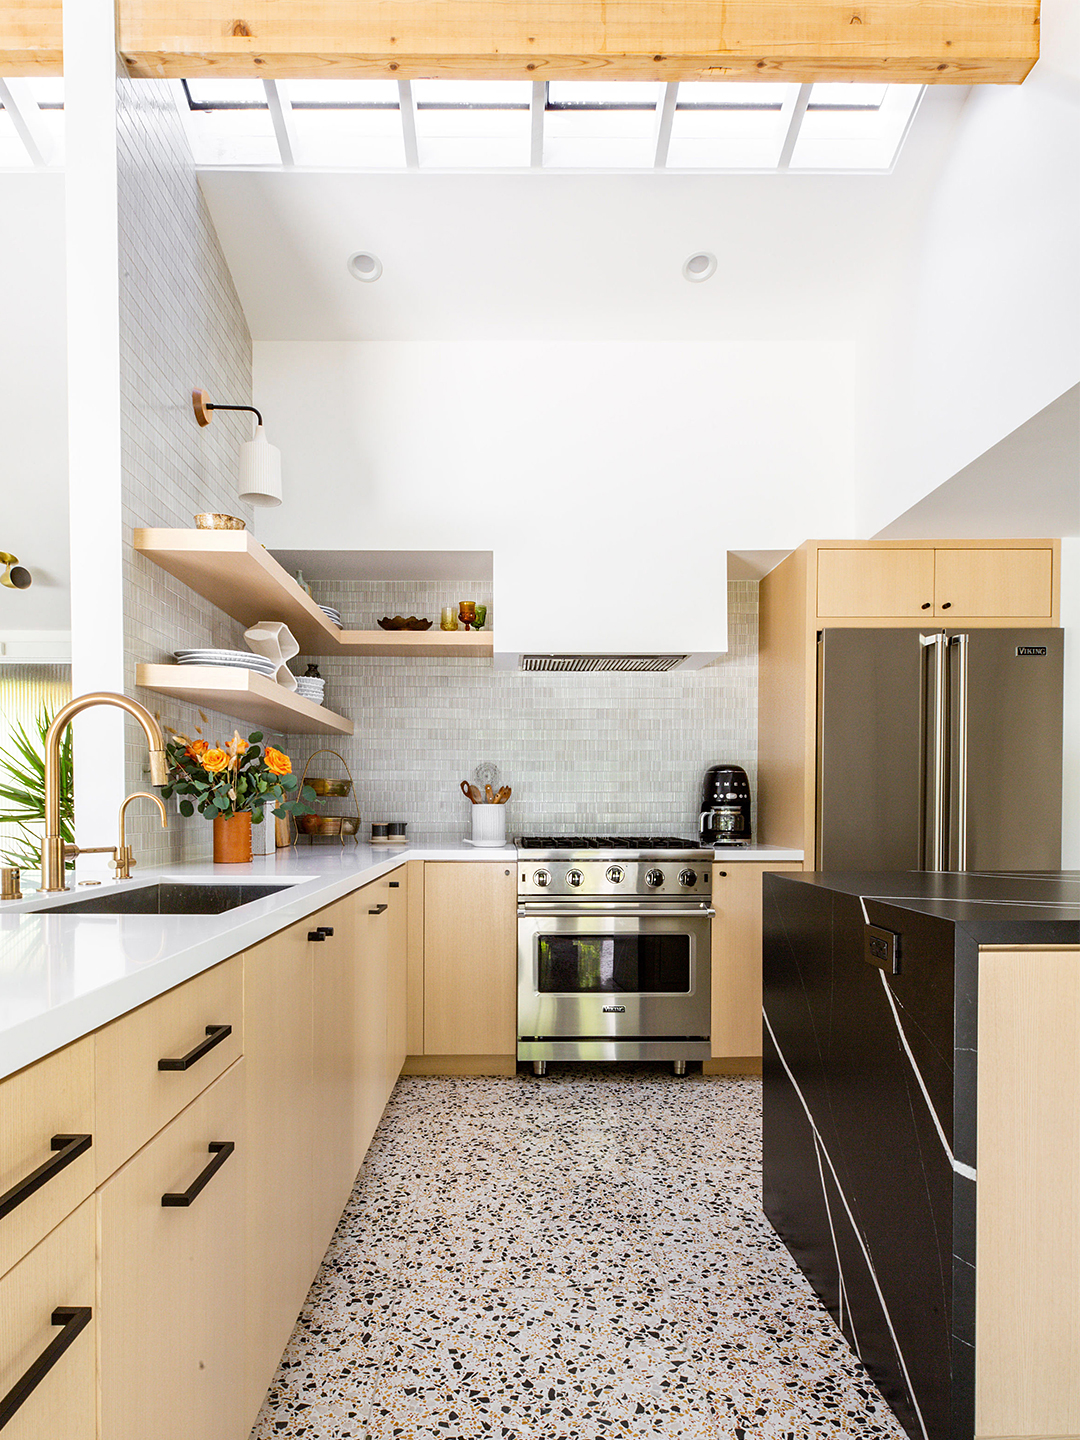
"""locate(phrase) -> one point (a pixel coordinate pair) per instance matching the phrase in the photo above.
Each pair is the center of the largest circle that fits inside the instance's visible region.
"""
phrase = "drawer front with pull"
(171, 1329)
(154, 1061)
(47, 1152)
(48, 1343)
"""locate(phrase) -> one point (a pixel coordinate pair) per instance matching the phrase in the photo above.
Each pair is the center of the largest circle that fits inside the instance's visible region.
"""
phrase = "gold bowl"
(323, 788)
(210, 521)
(329, 824)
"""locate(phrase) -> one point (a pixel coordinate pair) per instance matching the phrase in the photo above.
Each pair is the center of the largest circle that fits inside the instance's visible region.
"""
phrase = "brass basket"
(326, 826)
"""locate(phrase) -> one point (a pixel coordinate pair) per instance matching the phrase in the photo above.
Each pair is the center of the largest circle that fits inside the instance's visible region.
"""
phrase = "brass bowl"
(210, 521)
(329, 824)
(399, 622)
(324, 788)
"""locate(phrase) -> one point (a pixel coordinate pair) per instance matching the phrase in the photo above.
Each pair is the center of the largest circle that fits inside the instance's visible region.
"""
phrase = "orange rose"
(197, 749)
(277, 762)
(215, 761)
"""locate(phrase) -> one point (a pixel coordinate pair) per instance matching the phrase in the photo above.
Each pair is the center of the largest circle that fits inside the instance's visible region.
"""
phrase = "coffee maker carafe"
(725, 806)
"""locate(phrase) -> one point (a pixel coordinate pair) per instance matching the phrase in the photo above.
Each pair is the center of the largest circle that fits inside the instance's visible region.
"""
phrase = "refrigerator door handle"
(960, 720)
(935, 772)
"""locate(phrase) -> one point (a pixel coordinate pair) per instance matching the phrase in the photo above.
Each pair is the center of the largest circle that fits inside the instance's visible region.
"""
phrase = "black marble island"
(922, 1134)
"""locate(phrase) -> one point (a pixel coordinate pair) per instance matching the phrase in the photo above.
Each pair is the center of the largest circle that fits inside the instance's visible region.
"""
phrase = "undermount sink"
(167, 899)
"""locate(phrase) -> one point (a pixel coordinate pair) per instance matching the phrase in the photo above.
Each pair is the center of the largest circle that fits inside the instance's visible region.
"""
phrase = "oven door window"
(613, 964)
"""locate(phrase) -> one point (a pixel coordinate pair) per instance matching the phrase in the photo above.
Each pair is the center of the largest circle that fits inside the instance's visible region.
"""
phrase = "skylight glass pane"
(472, 92)
(232, 137)
(472, 139)
(13, 154)
(343, 92)
(349, 139)
(604, 92)
(845, 95)
(731, 139)
(599, 139)
(854, 139)
(730, 93)
(226, 92)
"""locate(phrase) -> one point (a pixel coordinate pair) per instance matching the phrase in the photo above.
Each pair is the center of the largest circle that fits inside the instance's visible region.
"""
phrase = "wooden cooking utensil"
(503, 795)
(489, 795)
(470, 792)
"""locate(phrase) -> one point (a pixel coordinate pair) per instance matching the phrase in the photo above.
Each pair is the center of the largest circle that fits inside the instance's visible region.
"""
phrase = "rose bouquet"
(238, 780)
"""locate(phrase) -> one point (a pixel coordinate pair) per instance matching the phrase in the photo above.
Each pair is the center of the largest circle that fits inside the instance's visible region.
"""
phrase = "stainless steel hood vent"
(581, 663)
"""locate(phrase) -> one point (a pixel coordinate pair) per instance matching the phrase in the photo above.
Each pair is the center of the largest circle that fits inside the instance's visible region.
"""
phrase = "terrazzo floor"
(579, 1256)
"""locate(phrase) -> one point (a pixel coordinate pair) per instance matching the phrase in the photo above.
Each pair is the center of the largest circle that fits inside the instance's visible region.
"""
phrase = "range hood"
(579, 664)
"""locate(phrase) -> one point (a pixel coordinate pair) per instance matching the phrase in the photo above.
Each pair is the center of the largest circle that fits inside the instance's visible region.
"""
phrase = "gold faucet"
(53, 849)
(125, 859)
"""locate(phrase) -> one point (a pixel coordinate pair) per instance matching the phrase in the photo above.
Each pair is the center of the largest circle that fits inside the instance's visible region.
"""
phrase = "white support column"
(94, 417)
(794, 125)
(537, 104)
(18, 100)
(277, 98)
(665, 118)
(408, 124)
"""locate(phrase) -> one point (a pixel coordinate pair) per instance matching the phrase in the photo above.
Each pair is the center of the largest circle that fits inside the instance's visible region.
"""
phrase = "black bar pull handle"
(214, 1036)
(68, 1148)
(315, 935)
(74, 1319)
(325, 930)
(378, 910)
(393, 884)
(221, 1150)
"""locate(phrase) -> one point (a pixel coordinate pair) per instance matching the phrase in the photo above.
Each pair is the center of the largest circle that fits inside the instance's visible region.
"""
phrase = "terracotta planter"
(232, 839)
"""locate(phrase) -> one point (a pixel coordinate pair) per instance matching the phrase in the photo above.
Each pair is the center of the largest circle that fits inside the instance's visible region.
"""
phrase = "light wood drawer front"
(171, 1328)
(875, 583)
(986, 583)
(134, 1097)
(52, 1098)
(57, 1274)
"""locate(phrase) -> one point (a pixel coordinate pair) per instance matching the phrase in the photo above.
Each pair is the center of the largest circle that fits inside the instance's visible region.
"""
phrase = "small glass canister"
(449, 620)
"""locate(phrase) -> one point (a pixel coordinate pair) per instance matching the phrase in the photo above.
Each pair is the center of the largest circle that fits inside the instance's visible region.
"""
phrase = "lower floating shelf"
(244, 694)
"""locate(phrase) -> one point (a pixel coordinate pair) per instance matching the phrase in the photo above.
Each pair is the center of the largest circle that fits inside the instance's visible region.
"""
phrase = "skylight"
(478, 125)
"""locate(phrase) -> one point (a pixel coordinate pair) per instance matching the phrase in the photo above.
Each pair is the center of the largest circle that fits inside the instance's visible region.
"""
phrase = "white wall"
(983, 329)
(33, 383)
(608, 479)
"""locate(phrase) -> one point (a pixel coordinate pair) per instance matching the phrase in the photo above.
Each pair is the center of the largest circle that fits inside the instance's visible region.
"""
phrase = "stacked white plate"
(236, 659)
(310, 688)
(331, 614)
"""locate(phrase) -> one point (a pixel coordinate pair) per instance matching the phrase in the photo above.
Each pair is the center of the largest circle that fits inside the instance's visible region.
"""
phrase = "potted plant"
(234, 784)
(22, 792)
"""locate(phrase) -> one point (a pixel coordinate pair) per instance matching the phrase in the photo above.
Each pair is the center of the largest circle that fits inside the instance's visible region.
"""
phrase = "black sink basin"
(167, 899)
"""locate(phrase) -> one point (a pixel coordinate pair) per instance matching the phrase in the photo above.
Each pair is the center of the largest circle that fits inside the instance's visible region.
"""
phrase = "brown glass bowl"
(399, 622)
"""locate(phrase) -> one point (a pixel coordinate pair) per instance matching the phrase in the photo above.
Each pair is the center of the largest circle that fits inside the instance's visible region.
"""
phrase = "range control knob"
(688, 877)
(654, 878)
(542, 878)
(616, 874)
(575, 878)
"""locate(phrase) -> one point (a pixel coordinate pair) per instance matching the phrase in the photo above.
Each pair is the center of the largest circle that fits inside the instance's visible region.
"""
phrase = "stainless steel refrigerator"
(939, 750)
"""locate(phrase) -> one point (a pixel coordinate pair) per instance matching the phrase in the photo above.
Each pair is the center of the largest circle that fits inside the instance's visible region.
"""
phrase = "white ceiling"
(445, 566)
(589, 257)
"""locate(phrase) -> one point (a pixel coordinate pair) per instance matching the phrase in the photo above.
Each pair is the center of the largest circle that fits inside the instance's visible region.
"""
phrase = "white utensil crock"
(489, 824)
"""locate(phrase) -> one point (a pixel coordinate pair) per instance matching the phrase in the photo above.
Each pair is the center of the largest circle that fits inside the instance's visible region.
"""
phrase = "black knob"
(926, 605)
(947, 605)
(654, 878)
(575, 878)
(615, 874)
(542, 878)
(688, 877)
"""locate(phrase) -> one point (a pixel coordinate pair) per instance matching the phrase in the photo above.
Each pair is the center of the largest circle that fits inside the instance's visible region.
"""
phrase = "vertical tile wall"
(584, 753)
(181, 327)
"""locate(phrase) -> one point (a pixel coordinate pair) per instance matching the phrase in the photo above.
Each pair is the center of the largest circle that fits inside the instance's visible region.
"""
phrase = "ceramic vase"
(232, 839)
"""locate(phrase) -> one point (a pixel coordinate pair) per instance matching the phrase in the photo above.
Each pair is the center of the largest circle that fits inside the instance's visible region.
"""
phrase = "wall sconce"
(260, 462)
(15, 576)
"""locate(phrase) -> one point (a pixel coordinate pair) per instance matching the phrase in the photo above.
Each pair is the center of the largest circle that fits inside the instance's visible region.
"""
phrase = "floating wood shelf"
(238, 575)
(245, 694)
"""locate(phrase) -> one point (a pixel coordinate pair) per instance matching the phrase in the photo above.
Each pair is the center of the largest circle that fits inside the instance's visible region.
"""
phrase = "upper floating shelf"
(238, 575)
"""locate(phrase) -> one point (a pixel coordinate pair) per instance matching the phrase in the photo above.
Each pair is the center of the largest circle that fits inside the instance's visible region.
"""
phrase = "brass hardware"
(17, 578)
(53, 848)
(347, 825)
(125, 858)
(9, 883)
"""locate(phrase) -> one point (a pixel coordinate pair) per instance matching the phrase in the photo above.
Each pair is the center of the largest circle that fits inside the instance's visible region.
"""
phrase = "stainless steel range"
(614, 948)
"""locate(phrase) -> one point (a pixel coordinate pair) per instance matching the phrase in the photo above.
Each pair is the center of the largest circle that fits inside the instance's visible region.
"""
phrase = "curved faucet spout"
(52, 849)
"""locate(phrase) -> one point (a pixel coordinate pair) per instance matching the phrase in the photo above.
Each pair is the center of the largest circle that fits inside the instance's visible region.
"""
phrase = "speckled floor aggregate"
(581, 1256)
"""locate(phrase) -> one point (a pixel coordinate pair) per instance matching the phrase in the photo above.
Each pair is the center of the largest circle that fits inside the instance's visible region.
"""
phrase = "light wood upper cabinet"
(993, 582)
(736, 957)
(470, 958)
(58, 1273)
(875, 583)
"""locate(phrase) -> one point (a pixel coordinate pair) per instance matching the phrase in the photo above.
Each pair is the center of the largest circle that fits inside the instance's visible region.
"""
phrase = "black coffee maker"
(725, 806)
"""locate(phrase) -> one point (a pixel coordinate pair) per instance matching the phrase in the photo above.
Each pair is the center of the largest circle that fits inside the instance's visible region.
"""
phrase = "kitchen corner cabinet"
(470, 950)
(736, 958)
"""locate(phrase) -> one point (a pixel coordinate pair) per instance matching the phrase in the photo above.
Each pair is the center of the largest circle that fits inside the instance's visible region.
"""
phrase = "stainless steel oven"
(614, 955)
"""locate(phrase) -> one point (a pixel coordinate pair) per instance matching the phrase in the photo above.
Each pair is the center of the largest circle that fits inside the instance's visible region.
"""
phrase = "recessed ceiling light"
(699, 266)
(365, 266)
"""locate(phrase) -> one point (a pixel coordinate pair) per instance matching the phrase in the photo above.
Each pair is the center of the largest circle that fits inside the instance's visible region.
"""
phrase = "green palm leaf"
(22, 789)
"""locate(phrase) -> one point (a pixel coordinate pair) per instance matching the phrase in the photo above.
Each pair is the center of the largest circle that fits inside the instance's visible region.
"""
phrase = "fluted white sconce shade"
(260, 462)
(260, 471)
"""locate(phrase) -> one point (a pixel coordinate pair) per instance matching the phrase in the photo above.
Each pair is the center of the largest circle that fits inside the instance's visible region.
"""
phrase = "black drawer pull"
(214, 1036)
(393, 884)
(315, 935)
(68, 1148)
(221, 1150)
(74, 1319)
(378, 910)
(325, 930)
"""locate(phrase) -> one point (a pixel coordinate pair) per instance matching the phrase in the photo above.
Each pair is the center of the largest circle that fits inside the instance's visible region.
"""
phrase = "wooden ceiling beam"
(964, 42)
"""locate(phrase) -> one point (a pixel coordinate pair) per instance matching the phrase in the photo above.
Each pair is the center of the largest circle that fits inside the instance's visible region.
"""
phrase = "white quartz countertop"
(64, 975)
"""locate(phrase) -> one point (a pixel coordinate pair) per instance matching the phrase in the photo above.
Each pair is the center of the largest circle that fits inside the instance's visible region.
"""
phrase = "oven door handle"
(608, 912)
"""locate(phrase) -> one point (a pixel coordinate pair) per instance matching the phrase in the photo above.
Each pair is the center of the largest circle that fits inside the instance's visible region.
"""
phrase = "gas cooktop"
(606, 842)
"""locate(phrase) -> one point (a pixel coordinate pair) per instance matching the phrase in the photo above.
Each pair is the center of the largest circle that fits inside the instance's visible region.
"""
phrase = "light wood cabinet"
(1002, 584)
(736, 957)
(337, 963)
(171, 1309)
(397, 978)
(59, 1273)
(197, 1029)
(875, 583)
(51, 1099)
(470, 950)
(371, 1014)
(278, 1141)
